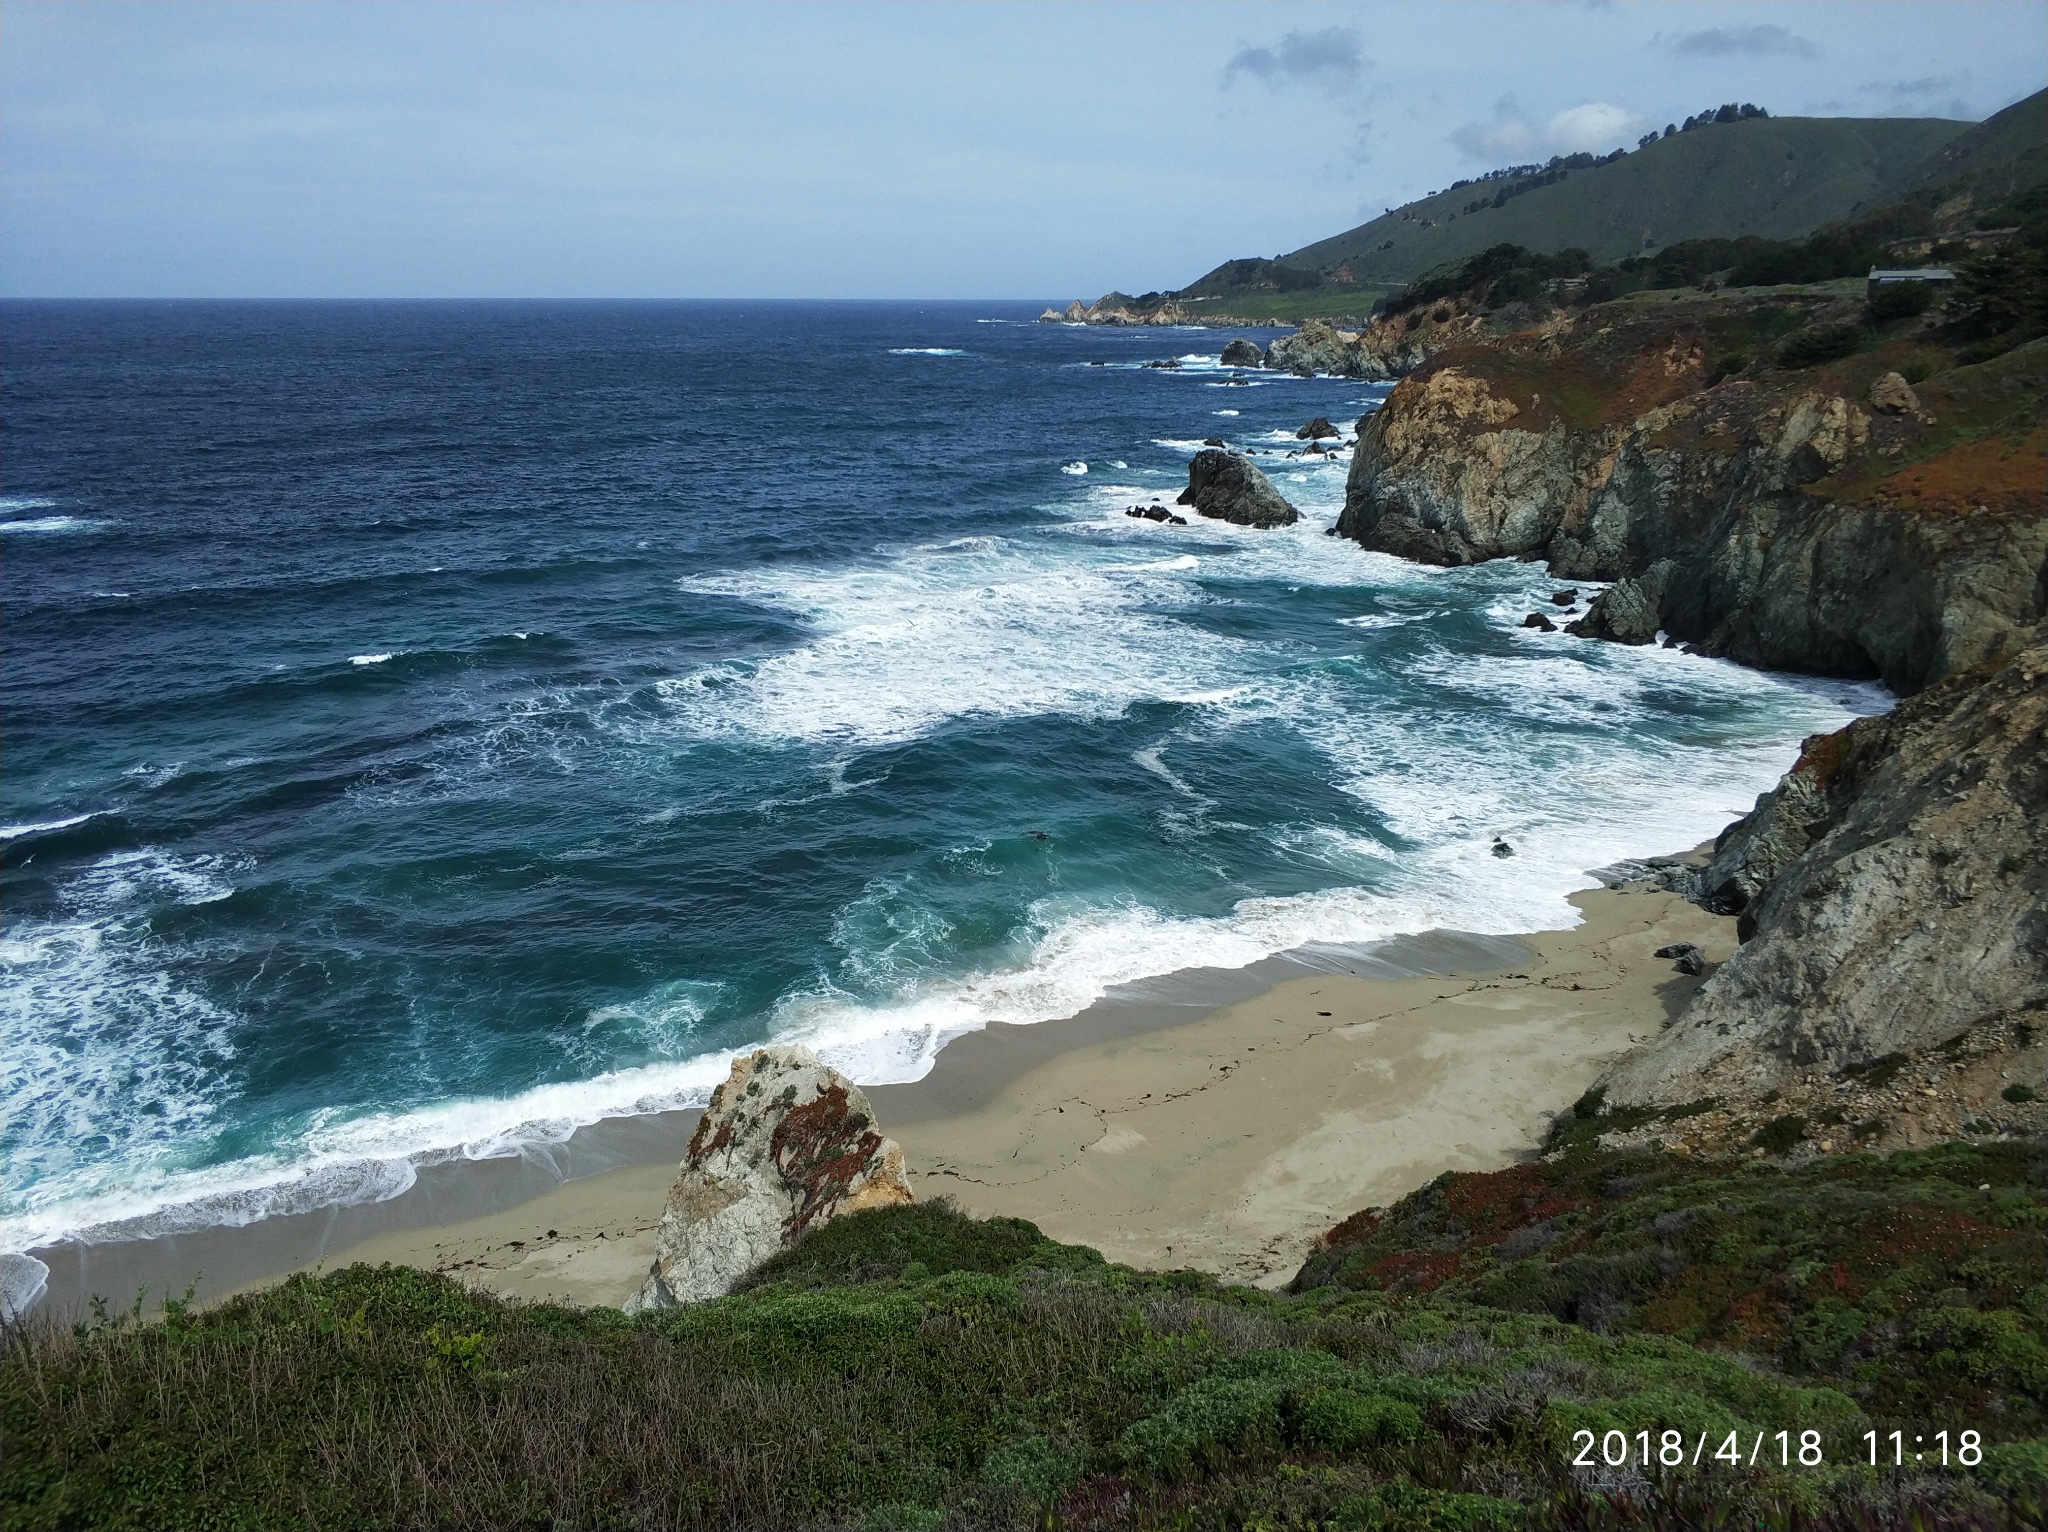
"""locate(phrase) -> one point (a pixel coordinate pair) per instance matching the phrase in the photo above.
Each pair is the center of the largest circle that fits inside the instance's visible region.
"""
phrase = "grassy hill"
(1441, 1365)
(2000, 156)
(1776, 176)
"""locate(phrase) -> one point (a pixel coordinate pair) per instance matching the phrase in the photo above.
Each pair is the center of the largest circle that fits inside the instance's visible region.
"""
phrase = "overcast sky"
(368, 149)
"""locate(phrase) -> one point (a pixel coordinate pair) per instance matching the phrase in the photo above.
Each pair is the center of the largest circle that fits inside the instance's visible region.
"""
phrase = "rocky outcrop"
(1319, 346)
(785, 1144)
(1116, 309)
(1229, 487)
(1893, 894)
(1317, 430)
(1243, 353)
(1385, 348)
(1771, 520)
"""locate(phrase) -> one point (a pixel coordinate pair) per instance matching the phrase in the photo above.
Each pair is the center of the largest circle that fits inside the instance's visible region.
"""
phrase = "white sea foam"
(97, 1037)
(926, 351)
(995, 629)
(52, 524)
(1077, 467)
(9, 832)
(1055, 621)
(370, 659)
(12, 503)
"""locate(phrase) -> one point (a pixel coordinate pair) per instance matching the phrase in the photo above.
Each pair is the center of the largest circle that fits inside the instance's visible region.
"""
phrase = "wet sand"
(1225, 1142)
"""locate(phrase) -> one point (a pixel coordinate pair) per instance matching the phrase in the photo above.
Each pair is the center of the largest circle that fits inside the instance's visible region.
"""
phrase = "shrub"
(2018, 1094)
(1819, 343)
(1780, 1133)
(1899, 300)
(1727, 366)
(1337, 1420)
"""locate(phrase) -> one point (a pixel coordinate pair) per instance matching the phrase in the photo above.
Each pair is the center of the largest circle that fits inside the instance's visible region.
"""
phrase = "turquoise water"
(431, 728)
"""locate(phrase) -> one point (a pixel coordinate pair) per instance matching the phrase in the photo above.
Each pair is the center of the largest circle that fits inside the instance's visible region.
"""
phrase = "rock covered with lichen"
(786, 1143)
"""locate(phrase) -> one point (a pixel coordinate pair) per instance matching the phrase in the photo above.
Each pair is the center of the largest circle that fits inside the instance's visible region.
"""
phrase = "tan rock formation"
(785, 1144)
(1893, 395)
(1772, 521)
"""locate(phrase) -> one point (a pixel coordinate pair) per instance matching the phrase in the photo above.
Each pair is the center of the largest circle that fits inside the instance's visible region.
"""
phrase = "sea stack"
(1229, 487)
(787, 1143)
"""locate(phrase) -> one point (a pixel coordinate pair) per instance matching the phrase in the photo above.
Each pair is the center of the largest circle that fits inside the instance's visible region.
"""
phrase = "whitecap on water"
(52, 524)
(42, 827)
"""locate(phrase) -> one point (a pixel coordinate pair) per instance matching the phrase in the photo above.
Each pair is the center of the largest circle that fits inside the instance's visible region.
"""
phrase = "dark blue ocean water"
(431, 727)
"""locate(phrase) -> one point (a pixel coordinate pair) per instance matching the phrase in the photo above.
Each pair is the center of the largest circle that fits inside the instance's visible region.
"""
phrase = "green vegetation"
(1916, 1284)
(1753, 200)
(1493, 279)
(911, 1367)
(1777, 177)
(1819, 343)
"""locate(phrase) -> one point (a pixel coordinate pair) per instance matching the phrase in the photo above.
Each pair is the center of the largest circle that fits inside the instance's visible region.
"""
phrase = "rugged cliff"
(1827, 518)
(1893, 895)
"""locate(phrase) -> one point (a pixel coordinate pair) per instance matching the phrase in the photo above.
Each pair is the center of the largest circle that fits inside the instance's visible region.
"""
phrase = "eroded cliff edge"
(1829, 519)
(1892, 894)
(1892, 891)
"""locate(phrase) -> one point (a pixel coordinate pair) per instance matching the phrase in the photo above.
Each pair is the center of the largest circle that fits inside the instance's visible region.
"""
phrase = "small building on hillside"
(1933, 276)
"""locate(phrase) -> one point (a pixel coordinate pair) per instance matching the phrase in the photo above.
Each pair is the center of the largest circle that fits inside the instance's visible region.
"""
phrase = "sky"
(378, 149)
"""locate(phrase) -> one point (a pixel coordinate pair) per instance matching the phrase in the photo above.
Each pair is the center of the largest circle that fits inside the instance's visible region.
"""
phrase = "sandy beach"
(1226, 1142)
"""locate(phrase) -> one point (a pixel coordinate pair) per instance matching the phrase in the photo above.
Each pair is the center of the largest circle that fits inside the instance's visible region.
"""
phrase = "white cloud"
(1510, 135)
(1594, 128)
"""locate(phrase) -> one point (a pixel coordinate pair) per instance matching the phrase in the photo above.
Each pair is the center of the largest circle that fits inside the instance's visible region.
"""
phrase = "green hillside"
(2000, 156)
(1777, 177)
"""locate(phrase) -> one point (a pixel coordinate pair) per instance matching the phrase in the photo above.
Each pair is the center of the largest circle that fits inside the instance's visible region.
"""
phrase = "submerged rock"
(786, 1144)
(1229, 487)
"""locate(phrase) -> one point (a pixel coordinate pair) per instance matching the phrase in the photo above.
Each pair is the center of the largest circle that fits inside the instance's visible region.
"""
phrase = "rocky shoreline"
(1835, 520)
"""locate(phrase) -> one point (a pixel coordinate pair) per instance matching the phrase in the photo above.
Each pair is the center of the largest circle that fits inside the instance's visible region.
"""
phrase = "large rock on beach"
(787, 1143)
(1243, 353)
(1229, 487)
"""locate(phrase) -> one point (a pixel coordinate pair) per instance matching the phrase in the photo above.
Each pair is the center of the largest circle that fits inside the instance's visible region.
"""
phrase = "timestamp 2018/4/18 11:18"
(1968, 1453)
(1671, 1448)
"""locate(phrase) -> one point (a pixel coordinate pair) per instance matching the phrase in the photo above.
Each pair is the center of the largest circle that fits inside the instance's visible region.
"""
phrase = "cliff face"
(1893, 893)
(1385, 348)
(1816, 519)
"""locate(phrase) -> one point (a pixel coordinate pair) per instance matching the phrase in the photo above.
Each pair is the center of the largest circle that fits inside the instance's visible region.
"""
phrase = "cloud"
(1333, 58)
(1510, 135)
(1595, 128)
(1507, 135)
(1922, 97)
(1744, 42)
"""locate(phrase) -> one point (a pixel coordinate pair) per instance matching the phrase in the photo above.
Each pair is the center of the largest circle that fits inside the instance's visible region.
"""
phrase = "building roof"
(1911, 274)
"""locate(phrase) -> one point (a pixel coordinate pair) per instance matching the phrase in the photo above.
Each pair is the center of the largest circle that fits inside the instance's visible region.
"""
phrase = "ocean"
(433, 728)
